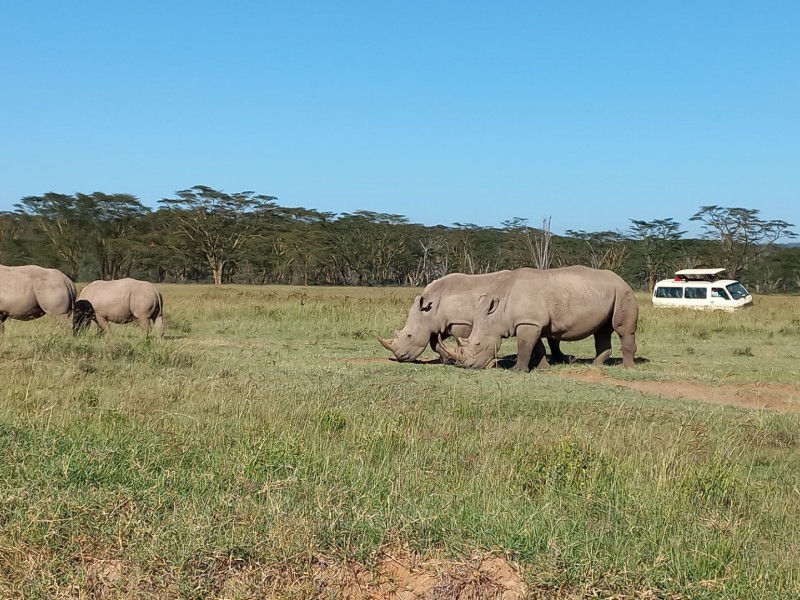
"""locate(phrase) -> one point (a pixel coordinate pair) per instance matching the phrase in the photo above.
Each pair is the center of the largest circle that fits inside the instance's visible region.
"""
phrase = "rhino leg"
(540, 356)
(628, 343)
(102, 323)
(144, 324)
(555, 351)
(3, 317)
(160, 326)
(529, 344)
(602, 344)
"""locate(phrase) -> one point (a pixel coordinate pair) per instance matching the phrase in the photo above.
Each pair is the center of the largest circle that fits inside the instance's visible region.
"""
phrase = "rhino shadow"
(430, 361)
(506, 362)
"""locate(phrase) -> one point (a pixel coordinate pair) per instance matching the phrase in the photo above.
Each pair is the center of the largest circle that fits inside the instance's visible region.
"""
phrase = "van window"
(719, 293)
(737, 290)
(696, 293)
(669, 292)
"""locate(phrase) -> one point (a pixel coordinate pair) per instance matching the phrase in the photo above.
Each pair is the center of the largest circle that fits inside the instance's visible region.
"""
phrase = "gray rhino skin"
(29, 292)
(120, 301)
(445, 308)
(568, 304)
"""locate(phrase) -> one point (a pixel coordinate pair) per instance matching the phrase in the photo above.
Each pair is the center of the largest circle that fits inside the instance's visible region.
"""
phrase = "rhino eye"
(408, 335)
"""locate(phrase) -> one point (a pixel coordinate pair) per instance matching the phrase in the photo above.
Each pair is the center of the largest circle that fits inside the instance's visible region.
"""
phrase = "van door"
(720, 300)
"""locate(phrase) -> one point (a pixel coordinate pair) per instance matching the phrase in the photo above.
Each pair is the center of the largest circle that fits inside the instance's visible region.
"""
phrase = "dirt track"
(784, 398)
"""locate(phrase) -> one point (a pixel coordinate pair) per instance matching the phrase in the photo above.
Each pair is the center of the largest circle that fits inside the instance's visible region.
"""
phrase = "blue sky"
(593, 113)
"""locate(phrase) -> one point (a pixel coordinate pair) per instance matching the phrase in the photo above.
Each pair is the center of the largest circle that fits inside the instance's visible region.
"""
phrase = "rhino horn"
(386, 344)
(450, 354)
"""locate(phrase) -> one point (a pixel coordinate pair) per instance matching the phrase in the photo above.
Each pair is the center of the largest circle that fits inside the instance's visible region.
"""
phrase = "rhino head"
(409, 342)
(82, 315)
(481, 347)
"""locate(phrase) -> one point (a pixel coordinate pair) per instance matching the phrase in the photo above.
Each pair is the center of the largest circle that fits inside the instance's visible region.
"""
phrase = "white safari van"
(701, 289)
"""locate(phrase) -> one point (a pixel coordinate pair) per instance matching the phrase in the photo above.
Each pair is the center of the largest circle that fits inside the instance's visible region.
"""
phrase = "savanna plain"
(268, 448)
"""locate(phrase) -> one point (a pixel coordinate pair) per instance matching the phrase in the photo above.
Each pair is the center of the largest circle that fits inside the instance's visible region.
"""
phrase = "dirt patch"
(751, 396)
(112, 579)
(755, 396)
(396, 575)
(105, 575)
(403, 576)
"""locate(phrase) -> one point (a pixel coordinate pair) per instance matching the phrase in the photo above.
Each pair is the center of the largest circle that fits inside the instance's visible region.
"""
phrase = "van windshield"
(737, 290)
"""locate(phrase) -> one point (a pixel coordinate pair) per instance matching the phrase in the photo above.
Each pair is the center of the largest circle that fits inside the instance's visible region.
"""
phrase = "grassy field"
(265, 442)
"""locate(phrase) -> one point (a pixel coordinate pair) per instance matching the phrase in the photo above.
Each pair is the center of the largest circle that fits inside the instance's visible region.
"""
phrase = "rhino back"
(458, 295)
(29, 291)
(17, 296)
(123, 300)
(570, 303)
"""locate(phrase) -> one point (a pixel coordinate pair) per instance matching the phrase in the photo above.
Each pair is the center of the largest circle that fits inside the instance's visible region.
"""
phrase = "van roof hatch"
(698, 274)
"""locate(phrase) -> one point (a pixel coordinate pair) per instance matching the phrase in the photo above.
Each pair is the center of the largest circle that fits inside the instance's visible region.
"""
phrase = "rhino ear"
(425, 306)
(495, 302)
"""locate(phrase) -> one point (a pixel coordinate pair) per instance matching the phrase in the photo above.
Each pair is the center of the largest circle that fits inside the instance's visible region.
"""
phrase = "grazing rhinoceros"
(120, 301)
(445, 308)
(29, 292)
(569, 304)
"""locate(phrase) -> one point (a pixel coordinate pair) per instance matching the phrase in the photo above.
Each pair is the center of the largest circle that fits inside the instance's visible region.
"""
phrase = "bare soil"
(751, 396)
(404, 576)
(397, 575)
(754, 396)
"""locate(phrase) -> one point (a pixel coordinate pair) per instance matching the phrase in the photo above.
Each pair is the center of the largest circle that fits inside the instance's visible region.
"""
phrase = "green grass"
(259, 432)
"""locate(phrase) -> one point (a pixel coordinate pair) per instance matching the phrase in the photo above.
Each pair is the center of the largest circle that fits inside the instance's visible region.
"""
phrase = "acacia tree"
(113, 220)
(742, 236)
(9, 229)
(370, 247)
(598, 249)
(86, 227)
(304, 241)
(474, 249)
(527, 246)
(432, 258)
(658, 242)
(63, 219)
(214, 223)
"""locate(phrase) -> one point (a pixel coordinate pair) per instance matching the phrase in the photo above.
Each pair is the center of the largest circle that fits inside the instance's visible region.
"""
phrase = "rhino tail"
(158, 309)
(72, 293)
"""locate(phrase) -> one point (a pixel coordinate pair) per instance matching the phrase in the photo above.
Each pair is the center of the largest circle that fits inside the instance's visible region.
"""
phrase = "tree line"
(203, 234)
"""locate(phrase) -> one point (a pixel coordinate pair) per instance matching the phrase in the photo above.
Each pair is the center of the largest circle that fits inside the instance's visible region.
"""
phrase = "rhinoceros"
(569, 304)
(445, 308)
(120, 301)
(29, 292)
